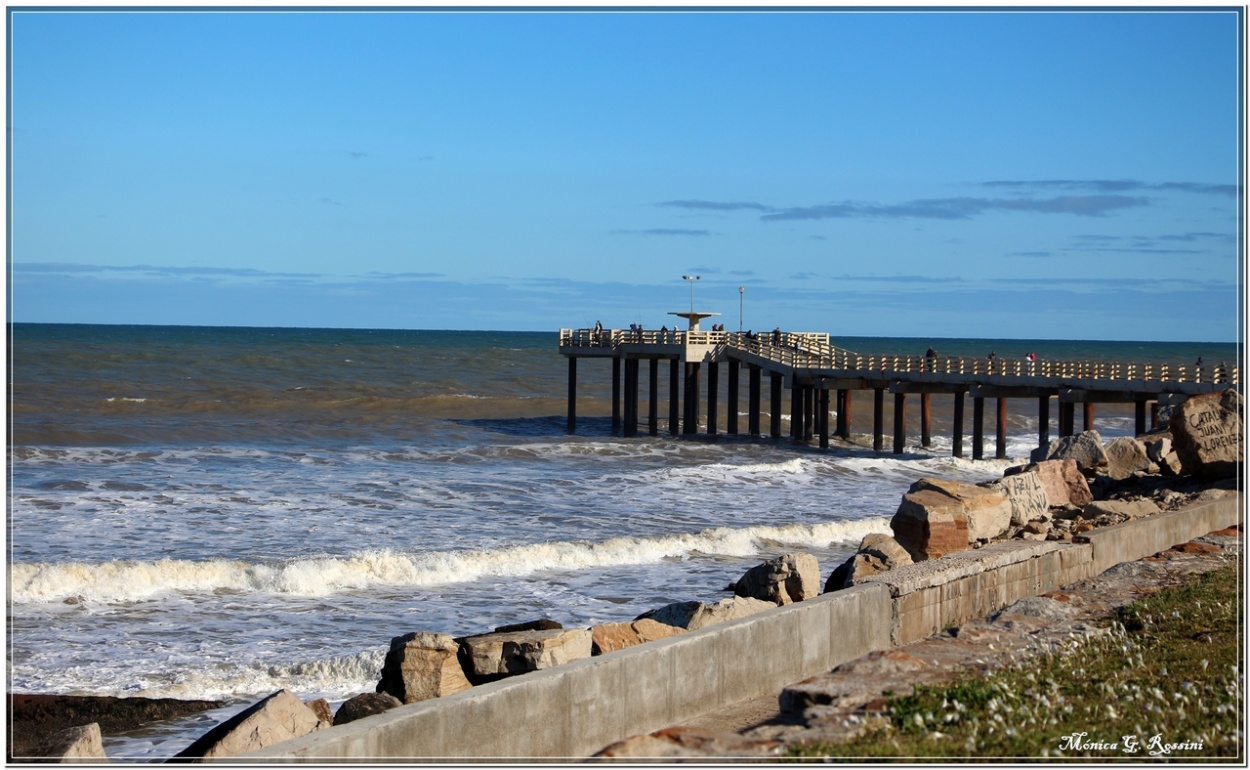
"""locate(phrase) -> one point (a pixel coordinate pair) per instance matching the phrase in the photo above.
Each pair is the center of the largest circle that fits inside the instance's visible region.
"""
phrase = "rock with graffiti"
(1207, 432)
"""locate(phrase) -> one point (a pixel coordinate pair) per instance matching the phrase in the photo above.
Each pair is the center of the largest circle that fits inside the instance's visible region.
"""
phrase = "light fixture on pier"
(692, 279)
(741, 291)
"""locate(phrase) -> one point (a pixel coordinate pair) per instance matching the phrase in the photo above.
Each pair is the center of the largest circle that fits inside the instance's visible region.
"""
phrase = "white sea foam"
(131, 581)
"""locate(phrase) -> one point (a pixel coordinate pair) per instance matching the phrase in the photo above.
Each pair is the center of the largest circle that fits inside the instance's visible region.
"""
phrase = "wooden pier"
(811, 368)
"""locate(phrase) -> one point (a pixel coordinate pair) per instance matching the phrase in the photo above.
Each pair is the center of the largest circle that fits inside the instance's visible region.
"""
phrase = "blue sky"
(1052, 173)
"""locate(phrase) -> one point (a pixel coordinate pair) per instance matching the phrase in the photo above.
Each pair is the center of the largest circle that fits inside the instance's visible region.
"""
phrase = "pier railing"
(812, 350)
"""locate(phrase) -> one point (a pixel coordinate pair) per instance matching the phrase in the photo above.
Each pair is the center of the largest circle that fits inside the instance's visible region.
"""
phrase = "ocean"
(218, 513)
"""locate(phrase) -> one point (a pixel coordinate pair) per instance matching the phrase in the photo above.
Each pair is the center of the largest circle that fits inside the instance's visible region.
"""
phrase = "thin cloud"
(77, 267)
(664, 231)
(1114, 186)
(924, 279)
(700, 205)
(961, 208)
(419, 276)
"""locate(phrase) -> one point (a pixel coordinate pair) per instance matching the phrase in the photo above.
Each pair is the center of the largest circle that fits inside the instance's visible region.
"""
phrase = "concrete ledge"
(576, 709)
(1137, 539)
(930, 596)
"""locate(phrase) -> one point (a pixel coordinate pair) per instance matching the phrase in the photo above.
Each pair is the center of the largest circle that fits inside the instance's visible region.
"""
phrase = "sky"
(1052, 173)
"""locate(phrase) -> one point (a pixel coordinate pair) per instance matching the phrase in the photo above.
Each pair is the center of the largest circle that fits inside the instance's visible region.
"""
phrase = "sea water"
(219, 513)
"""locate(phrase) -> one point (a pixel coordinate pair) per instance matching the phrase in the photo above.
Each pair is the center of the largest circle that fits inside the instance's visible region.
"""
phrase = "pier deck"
(810, 367)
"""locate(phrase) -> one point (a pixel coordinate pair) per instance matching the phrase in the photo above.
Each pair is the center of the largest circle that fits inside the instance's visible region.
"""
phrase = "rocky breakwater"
(422, 665)
(1073, 485)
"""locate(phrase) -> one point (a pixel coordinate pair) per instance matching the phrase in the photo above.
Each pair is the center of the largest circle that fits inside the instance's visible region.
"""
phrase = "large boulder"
(1123, 510)
(608, 637)
(1085, 448)
(73, 745)
(695, 615)
(1027, 495)
(1125, 456)
(1207, 431)
(1063, 481)
(364, 705)
(937, 517)
(877, 552)
(791, 578)
(1160, 451)
(277, 718)
(493, 656)
(422, 665)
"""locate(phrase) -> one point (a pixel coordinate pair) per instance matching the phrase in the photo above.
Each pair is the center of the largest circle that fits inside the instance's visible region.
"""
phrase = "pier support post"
(713, 386)
(822, 419)
(1000, 431)
(878, 419)
(978, 428)
(1139, 414)
(900, 422)
(691, 424)
(844, 420)
(796, 410)
(572, 422)
(774, 405)
(653, 398)
(1089, 415)
(672, 397)
(957, 434)
(631, 397)
(1154, 415)
(1067, 418)
(753, 408)
(926, 434)
(616, 396)
(1043, 421)
(809, 410)
(731, 399)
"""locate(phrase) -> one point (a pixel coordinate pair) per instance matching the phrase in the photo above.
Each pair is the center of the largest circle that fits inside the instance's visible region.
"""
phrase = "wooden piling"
(774, 404)
(731, 398)
(753, 398)
(957, 434)
(690, 425)
(1000, 430)
(672, 396)
(713, 386)
(616, 396)
(653, 396)
(926, 418)
(572, 410)
(978, 435)
(823, 418)
(900, 422)
(878, 419)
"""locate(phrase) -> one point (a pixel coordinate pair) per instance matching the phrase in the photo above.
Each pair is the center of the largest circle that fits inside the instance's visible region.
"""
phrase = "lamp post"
(741, 291)
(692, 279)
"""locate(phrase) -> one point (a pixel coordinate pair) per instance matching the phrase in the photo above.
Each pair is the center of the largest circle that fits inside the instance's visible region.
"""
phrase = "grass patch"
(1164, 683)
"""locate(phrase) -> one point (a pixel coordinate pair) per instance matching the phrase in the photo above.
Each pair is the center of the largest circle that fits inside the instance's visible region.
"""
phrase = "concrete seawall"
(577, 709)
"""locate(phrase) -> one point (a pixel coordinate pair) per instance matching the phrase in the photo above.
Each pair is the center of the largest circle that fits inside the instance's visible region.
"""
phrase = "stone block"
(491, 656)
(609, 637)
(790, 578)
(1028, 498)
(277, 718)
(1207, 432)
(422, 665)
(1125, 456)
